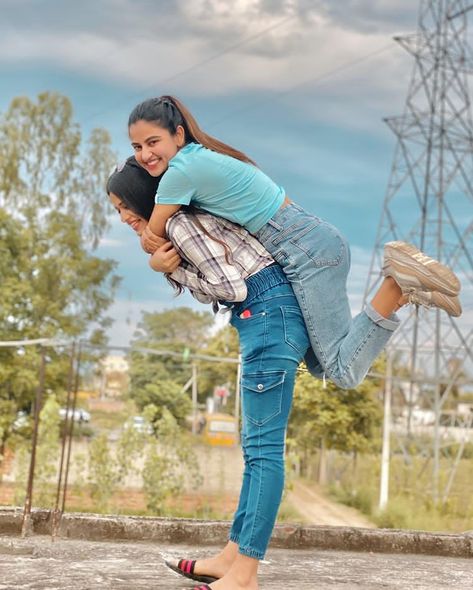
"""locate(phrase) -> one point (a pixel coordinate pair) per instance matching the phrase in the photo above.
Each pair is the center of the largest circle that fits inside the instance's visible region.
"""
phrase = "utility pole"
(386, 450)
(194, 398)
(26, 526)
(428, 202)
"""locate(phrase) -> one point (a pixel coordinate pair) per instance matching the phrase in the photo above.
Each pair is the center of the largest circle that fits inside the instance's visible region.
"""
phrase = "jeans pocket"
(321, 242)
(262, 395)
(251, 332)
(295, 331)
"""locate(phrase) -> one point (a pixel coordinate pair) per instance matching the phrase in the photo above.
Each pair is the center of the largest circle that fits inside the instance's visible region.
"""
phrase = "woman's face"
(134, 220)
(154, 146)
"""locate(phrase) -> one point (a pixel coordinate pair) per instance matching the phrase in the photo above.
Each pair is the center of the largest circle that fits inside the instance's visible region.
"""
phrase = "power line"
(315, 80)
(31, 342)
(460, 12)
(195, 66)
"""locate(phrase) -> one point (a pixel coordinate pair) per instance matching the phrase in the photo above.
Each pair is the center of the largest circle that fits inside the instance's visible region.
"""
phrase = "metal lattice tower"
(429, 202)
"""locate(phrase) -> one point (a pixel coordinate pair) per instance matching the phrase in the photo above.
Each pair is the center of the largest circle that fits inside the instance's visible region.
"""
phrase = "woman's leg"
(316, 259)
(273, 341)
(218, 565)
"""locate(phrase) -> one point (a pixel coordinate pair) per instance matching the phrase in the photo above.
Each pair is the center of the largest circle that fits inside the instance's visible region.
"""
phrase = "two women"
(297, 308)
(198, 169)
(222, 264)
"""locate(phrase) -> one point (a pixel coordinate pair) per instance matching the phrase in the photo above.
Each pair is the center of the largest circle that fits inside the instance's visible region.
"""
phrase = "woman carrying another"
(222, 262)
(200, 170)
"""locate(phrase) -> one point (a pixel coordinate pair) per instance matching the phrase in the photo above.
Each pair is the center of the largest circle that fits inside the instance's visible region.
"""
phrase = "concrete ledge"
(94, 527)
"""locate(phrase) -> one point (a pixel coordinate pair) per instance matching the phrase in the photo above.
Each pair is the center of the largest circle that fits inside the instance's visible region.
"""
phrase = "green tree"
(43, 166)
(164, 395)
(170, 461)
(181, 326)
(211, 374)
(327, 417)
(47, 456)
(159, 379)
(52, 213)
(47, 453)
(104, 475)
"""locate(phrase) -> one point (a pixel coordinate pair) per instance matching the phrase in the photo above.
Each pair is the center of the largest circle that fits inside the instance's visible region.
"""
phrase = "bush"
(361, 499)
(392, 517)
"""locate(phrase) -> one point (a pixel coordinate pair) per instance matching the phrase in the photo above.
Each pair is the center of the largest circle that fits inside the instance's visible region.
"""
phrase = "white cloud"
(299, 44)
(110, 243)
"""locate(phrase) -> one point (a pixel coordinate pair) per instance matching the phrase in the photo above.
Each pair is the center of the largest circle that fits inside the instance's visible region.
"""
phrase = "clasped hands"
(164, 257)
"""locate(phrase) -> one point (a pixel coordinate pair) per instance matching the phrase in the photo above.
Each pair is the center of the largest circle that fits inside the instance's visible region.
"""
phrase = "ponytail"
(169, 112)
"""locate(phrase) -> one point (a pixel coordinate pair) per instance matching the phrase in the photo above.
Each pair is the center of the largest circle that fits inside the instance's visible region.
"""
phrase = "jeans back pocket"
(262, 395)
(295, 331)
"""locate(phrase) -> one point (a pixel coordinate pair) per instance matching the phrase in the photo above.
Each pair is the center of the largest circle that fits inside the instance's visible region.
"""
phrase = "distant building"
(114, 376)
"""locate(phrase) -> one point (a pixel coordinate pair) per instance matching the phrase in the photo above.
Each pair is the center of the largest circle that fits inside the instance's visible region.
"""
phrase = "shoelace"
(417, 300)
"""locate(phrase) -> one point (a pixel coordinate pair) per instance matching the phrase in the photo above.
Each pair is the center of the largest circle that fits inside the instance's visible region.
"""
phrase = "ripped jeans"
(273, 341)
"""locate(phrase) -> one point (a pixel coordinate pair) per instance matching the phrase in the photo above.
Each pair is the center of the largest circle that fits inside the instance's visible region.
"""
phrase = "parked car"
(139, 424)
(80, 415)
(21, 420)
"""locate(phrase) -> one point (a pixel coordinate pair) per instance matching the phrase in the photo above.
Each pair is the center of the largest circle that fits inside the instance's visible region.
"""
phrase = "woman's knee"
(346, 380)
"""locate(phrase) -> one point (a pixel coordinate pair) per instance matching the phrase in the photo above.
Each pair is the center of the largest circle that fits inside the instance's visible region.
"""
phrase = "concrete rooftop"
(39, 564)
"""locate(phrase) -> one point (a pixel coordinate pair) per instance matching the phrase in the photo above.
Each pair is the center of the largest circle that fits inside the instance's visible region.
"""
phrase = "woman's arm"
(216, 276)
(157, 227)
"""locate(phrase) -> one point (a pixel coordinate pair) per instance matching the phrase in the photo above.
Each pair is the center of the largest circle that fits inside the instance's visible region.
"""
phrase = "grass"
(132, 502)
(411, 504)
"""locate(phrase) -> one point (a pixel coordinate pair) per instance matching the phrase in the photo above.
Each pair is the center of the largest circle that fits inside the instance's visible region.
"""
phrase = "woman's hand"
(165, 258)
(150, 242)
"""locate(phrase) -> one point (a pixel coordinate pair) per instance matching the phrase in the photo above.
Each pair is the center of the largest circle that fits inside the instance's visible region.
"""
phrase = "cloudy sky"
(300, 85)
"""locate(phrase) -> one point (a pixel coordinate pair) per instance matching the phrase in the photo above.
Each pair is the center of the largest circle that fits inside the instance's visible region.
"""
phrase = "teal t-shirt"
(221, 185)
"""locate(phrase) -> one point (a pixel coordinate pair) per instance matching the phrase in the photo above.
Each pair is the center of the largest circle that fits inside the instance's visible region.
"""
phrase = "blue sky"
(300, 85)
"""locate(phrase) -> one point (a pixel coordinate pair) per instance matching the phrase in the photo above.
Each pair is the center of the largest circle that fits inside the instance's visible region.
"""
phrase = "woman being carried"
(201, 170)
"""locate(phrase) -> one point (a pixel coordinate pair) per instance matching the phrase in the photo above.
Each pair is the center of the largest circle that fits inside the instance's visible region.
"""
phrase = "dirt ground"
(317, 508)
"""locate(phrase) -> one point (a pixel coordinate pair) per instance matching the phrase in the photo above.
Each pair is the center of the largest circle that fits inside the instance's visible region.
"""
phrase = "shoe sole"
(449, 304)
(194, 577)
(430, 274)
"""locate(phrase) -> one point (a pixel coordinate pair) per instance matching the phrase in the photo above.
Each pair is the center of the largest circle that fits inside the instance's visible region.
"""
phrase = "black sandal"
(185, 567)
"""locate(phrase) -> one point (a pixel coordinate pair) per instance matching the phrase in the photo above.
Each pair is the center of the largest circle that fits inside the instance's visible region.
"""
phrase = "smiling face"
(154, 146)
(134, 220)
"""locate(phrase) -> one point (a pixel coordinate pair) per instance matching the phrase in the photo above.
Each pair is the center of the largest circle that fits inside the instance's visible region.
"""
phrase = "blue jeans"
(316, 260)
(273, 341)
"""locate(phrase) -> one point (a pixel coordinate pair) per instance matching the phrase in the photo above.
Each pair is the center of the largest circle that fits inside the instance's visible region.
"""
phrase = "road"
(316, 508)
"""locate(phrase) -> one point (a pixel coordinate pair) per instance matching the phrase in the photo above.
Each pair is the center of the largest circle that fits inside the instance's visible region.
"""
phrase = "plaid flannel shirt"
(211, 273)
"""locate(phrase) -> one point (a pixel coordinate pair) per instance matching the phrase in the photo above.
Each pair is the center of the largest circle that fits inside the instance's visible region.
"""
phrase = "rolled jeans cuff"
(390, 323)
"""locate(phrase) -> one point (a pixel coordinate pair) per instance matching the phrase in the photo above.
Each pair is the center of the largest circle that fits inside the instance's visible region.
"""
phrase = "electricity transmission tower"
(429, 202)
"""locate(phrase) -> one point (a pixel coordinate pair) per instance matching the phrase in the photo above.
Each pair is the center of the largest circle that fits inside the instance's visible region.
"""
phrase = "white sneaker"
(435, 299)
(413, 270)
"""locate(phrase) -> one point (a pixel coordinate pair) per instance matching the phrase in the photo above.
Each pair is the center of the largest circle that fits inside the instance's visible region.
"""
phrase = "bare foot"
(242, 575)
(231, 581)
(403, 300)
(216, 566)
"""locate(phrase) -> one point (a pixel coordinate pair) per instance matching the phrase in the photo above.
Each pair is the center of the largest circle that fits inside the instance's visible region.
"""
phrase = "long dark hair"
(136, 188)
(168, 112)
